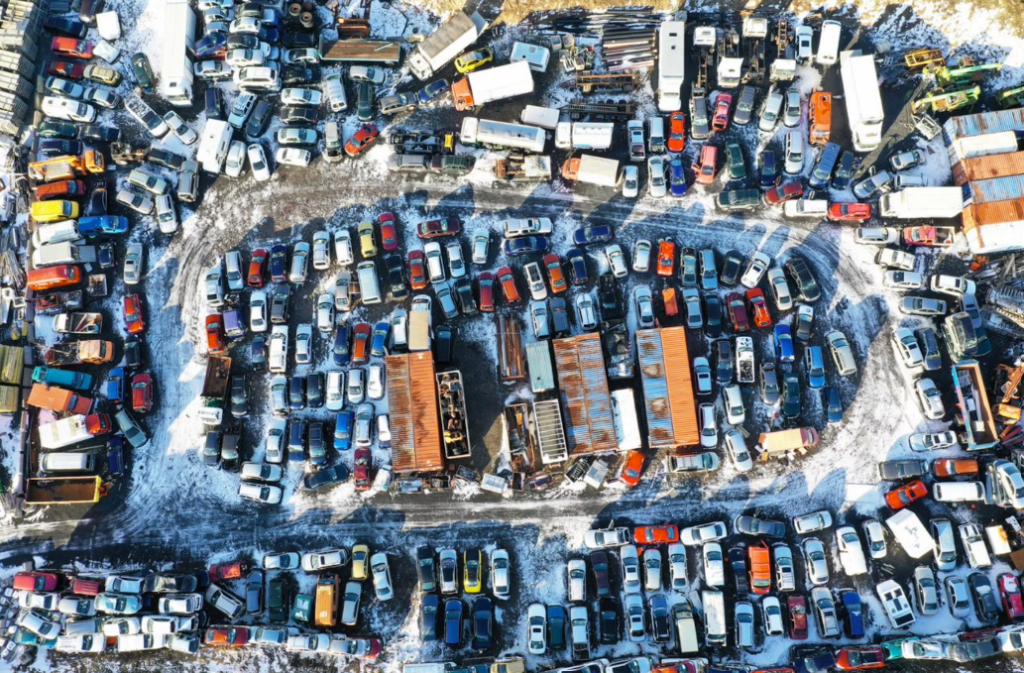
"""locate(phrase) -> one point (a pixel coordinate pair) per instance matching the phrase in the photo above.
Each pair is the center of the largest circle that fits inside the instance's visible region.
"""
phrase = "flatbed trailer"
(598, 111)
(973, 407)
(451, 396)
(63, 491)
(78, 323)
(619, 82)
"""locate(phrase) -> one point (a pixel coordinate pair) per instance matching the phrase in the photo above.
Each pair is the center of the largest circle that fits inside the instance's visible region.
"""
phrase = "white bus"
(671, 64)
(502, 134)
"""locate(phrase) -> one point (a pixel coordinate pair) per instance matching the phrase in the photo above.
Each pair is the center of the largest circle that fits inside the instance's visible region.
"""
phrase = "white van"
(334, 91)
(805, 208)
(714, 618)
(55, 253)
(656, 134)
(436, 667)
(959, 491)
(686, 627)
(68, 462)
(55, 232)
(794, 162)
(369, 284)
(828, 44)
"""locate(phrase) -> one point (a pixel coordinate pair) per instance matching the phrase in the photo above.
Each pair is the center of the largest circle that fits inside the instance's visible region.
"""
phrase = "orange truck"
(819, 113)
(760, 569)
(60, 400)
(63, 491)
(67, 167)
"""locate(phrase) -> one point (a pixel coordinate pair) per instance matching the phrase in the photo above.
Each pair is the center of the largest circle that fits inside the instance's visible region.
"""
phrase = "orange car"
(227, 636)
(676, 132)
(906, 494)
(362, 139)
(69, 46)
(508, 285)
(656, 534)
(759, 308)
(556, 278)
(706, 167)
(633, 468)
(417, 270)
(670, 301)
(215, 334)
(666, 258)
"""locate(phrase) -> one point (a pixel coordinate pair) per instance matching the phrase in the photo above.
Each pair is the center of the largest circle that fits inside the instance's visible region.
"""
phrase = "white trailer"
(486, 86)
(179, 35)
(627, 427)
(544, 117)
(671, 65)
(502, 134)
(214, 144)
(65, 432)
(908, 530)
(447, 42)
(863, 100)
(593, 170)
(584, 135)
(922, 203)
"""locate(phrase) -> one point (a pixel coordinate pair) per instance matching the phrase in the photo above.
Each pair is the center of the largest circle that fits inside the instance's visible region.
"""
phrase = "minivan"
(959, 491)
(824, 166)
(68, 462)
(794, 153)
(369, 285)
(656, 134)
(334, 91)
(332, 142)
(535, 281)
(828, 43)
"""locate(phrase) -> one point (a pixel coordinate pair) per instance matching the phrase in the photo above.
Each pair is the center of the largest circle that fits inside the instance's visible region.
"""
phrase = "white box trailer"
(544, 117)
(863, 100)
(179, 35)
(584, 135)
(444, 44)
(627, 426)
(922, 203)
(65, 432)
(535, 56)
(671, 65)
(214, 144)
(485, 86)
(908, 530)
(593, 170)
(492, 133)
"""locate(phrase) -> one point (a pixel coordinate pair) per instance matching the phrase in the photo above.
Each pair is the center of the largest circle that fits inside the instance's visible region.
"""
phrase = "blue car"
(593, 233)
(676, 177)
(453, 609)
(210, 46)
(823, 660)
(483, 616)
(113, 387)
(380, 338)
(279, 263)
(557, 618)
(297, 442)
(784, 344)
(429, 609)
(814, 363)
(343, 430)
(341, 352)
(297, 393)
(577, 266)
(526, 245)
(432, 91)
(833, 405)
(769, 169)
(854, 609)
(91, 227)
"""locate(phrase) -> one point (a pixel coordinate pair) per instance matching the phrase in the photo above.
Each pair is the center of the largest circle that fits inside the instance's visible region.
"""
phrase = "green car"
(302, 610)
(738, 199)
(735, 165)
(54, 129)
(143, 72)
(894, 648)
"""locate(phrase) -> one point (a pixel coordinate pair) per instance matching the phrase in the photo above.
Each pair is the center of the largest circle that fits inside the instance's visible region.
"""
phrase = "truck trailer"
(451, 394)
(593, 170)
(216, 385)
(444, 44)
(492, 84)
(783, 442)
(922, 203)
(584, 135)
(863, 100)
(63, 491)
(489, 133)
(671, 65)
(179, 34)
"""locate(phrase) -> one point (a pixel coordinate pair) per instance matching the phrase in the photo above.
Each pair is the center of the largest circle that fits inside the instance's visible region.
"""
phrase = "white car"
(780, 289)
(585, 312)
(652, 569)
(576, 574)
(180, 604)
(903, 280)
(825, 612)
(125, 584)
(957, 286)
(656, 185)
(364, 73)
(168, 624)
(931, 441)
(633, 606)
(448, 571)
(288, 560)
(343, 247)
(876, 539)
(300, 257)
(258, 311)
(642, 256)
(214, 287)
(616, 260)
(321, 560)
(630, 181)
(677, 568)
(732, 400)
(702, 374)
(261, 472)
(335, 392)
(537, 627)
(74, 606)
(242, 58)
(705, 532)
(325, 312)
(926, 590)
(928, 650)
(382, 586)
(631, 581)
(814, 521)
(235, 161)
(501, 574)
(121, 626)
(355, 391)
(133, 264)
(308, 642)
(275, 446)
(301, 96)
(929, 399)
(258, 162)
(736, 447)
(293, 156)
(456, 263)
(851, 552)
(481, 240)
(785, 571)
(303, 344)
(266, 494)
(30, 600)
(708, 426)
(758, 266)
(68, 110)
(602, 538)
(179, 128)
(815, 562)
(375, 381)
(434, 262)
(321, 250)
(771, 614)
(907, 348)
(714, 564)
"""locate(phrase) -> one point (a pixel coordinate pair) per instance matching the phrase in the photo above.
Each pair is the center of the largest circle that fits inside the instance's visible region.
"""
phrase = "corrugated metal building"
(668, 388)
(988, 167)
(583, 383)
(997, 189)
(413, 410)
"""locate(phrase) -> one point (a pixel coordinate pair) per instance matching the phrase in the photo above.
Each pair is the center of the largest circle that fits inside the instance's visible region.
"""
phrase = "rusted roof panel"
(412, 406)
(584, 387)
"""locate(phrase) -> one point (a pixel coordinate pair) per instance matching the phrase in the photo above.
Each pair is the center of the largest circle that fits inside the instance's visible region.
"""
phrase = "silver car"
(585, 312)
(631, 582)
(656, 185)
(770, 110)
(815, 561)
(791, 115)
(133, 264)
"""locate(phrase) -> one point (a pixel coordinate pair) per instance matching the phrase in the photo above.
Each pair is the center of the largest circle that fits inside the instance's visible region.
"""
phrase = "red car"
(226, 636)
(556, 277)
(670, 301)
(906, 494)
(1009, 589)
(142, 393)
(759, 308)
(28, 580)
(720, 120)
(782, 193)
(215, 334)
(797, 606)
(65, 69)
(69, 46)
(860, 658)
(666, 258)
(737, 312)
(361, 343)
(633, 468)
(388, 234)
(362, 139)
(417, 269)
(446, 226)
(228, 571)
(656, 534)
(133, 314)
(849, 212)
(257, 267)
(97, 424)
(361, 469)
(676, 131)
(485, 282)
(508, 285)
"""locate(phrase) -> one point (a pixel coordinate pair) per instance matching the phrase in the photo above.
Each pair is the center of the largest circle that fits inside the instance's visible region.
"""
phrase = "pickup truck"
(745, 359)
(929, 236)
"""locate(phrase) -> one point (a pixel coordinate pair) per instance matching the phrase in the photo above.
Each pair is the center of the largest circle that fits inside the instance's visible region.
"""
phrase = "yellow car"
(360, 557)
(366, 242)
(473, 571)
(472, 60)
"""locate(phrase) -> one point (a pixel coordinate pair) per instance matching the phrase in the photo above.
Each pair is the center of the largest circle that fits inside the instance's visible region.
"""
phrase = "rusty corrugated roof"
(412, 406)
(584, 386)
(668, 387)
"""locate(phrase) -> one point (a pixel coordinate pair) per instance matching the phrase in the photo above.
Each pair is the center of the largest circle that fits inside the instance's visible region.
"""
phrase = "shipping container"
(668, 387)
(1002, 142)
(63, 491)
(538, 362)
(988, 167)
(966, 126)
(12, 363)
(996, 189)
(973, 406)
(985, 239)
(413, 413)
(583, 382)
(9, 396)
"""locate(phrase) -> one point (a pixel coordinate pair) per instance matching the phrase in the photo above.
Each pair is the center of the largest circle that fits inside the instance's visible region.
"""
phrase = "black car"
(297, 393)
(239, 396)
(723, 361)
(296, 74)
(444, 342)
(608, 621)
(97, 204)
(577, 266)
(325, 476)
(712, 316)
(608, 298)
(295, 40)
(57, 129)
(396, 276)
(254, 592)
(732, 266)
(464, 294)
(132, 352)
(738, 565)
(896, 470)
(214, 103)
(298, 114)
(559, 316)
(162, 157)
(100, 133)
(88, 9)
(798, 271)
(211, 449)
(602, 577)
(986, 605)
(661, 624)
(364, 102)
(341, 350)
(66, 26)
(277, 600)
(59, 146)
(259, 119)
(315, 390)
(556, 627)
(844, 170)
(769, 174)
(258, 353)
(426, 569)
(230, 454)
(317, 447)
(429, 611)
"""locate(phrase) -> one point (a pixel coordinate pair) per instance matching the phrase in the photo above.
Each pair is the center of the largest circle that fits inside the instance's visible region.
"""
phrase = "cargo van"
(656, 134)
(53, 211)
(55, 232)
(68, 462)
(819, 112)
(824, 166)
(327, 601)
(959, 491)
(54, 254)
(828, 44)
(40, 280)
(369, 284)
(805, 208)
(334, 91)
(715, 633)
(686, 628)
